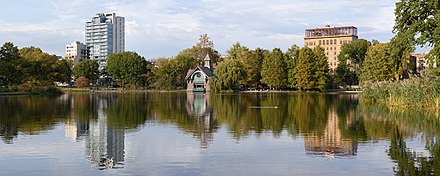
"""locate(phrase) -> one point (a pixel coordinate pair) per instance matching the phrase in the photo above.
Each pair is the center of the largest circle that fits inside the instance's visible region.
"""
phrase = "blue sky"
(162, 28)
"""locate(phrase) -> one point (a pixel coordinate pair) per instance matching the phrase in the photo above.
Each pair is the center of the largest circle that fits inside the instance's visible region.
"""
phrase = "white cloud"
(164, 27)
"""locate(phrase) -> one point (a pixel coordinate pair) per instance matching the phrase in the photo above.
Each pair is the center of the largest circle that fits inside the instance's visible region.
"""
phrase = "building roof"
(208, 72)
(331, 32)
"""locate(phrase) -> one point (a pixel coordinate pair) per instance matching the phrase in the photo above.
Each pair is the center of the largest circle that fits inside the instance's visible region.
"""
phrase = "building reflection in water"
(331, 143)
(198, 107)
(104, 146)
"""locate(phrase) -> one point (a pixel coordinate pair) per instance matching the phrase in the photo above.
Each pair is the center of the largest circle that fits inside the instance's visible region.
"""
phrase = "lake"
(197, 134)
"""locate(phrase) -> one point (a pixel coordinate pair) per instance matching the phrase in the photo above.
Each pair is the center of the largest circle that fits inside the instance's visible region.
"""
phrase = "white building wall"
(76, 51)
(105, 35)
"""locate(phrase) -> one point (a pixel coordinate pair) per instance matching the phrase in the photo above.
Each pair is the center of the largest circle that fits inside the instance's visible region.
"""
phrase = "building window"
(331, 42)
(319, 42)
(335, 41)
(340, 41)
(314, 43)
(335, 52)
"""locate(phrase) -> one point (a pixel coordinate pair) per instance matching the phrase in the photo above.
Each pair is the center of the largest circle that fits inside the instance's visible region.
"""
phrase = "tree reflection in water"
(330, 125)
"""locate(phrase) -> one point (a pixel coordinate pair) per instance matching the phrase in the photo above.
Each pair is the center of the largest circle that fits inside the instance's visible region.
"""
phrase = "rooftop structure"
(331, 40)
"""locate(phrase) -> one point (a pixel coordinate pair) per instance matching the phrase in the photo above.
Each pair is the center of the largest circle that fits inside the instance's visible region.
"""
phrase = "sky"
(162, 28)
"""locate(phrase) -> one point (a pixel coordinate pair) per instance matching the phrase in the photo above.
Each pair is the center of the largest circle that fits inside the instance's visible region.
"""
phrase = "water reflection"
(331, 143)
(104, 144)
(330, 126)
(199, 108)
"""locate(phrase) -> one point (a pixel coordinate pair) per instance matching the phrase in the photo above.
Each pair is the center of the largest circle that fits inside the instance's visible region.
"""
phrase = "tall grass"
(421, 91)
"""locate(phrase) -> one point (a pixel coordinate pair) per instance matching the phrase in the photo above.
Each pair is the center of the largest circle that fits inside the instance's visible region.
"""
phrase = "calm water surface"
(196, 134)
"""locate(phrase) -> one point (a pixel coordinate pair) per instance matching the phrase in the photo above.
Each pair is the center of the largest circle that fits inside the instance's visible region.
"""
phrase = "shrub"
(82, 82)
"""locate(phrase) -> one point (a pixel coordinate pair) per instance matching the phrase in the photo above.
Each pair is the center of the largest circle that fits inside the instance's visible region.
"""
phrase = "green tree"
(61, 71)
(235, 50)
(292, 55)
(304, 73)
(377, 64)
(88, 69)
(274, 69)
(228, 75)
(165, 74)
(127, 67)
(312, 71)
(253, 66)
(251, 62)
(39, 67)
(417, 23)
(321, 74)
(171, 73)
(350, 59)
(11, 64)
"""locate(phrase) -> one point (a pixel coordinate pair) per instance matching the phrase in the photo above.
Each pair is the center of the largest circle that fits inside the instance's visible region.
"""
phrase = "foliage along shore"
(36, 90)
(419, 91)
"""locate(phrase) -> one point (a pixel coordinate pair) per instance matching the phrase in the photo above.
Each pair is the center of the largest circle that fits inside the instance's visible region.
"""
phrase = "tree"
(274, 69)
(321, 69)
(312, 72)
(165, 74)
(235, 50)
(228, 75)
(39, 66)
(61, 71)
(292, 55)
(127, 67)
(377, 64)
(251, 62)
(417, 23)
(82, 82)
(203, 47)
(350, 60)
(10, 64)
(88, 69)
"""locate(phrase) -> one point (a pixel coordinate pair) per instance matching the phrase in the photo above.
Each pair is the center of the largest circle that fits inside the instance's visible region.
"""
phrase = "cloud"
(156, 28)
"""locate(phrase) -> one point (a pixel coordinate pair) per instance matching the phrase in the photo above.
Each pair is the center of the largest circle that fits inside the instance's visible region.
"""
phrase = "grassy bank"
(36, 90)
(421, 91)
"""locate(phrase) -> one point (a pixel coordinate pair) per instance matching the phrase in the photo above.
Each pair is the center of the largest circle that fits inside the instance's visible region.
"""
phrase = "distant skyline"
(162, 28)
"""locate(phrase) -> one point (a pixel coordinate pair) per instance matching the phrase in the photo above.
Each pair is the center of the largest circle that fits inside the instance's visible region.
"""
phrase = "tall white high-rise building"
(76, 51)
(105, 35)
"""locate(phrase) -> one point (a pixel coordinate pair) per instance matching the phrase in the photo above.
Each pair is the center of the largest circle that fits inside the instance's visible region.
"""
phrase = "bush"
(82, 82)
(24, 88)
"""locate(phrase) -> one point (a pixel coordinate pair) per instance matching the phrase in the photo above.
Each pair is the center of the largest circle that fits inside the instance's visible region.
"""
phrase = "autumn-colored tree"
(82, 82)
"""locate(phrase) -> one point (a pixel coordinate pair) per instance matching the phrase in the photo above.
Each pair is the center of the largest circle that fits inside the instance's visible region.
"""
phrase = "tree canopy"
(87, 69)
(377, 64)
(417, 23)
(228, 75)
(350, 60)
(10, 62)
(312, 71)
(127, 67)
(274, 69)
